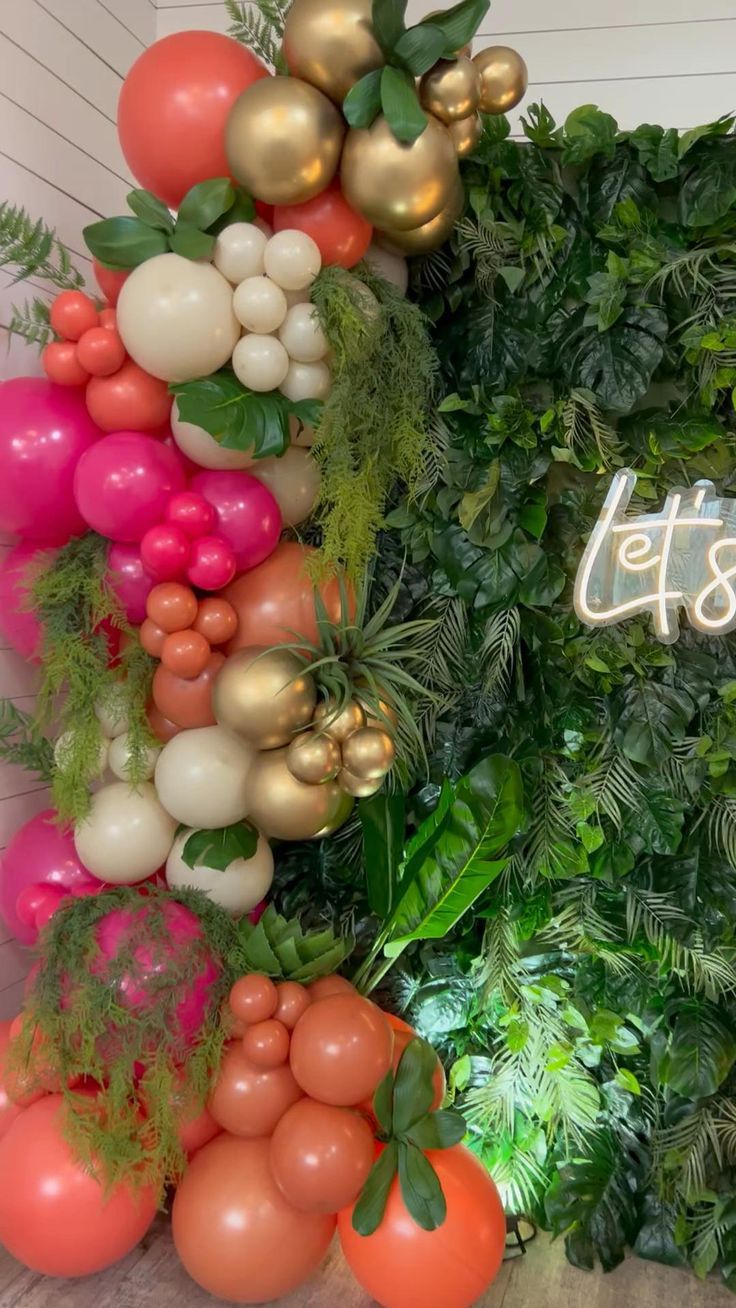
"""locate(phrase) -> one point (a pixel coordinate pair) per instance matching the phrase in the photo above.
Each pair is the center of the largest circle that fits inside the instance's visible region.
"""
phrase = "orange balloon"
(253, 998)
(152, 638)
(249, 1100)
(172, 606)
(330, 985)
(266, 1044)
(321, 1156)
(9, 1108)
(163, 728)
(216, 620)
(130, 400)
(187, 701)
(293, 1000)
(185, 653)
(403, 1266)
(398, 1023)
(235, 1233)
(276, 599)
(54, 1216)
(341, 1049)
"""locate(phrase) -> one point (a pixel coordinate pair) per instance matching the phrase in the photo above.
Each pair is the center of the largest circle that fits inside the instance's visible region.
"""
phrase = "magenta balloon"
(248, 515)
(41, 853)
(123, 484)
(18, 623)
(129, 579)
(44, 429)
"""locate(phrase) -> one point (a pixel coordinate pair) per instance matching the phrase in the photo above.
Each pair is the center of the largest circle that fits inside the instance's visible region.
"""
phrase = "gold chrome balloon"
(313, 758)
(395, 186)
(349, 720)
(283, 140)
(369, 753)
(389, 720)
(287, 809)
(330, 43)
(466, 134)
(503, 78)
(451, 90)
(431, 234)
(357, 786)
(343, 809)
(264, 696)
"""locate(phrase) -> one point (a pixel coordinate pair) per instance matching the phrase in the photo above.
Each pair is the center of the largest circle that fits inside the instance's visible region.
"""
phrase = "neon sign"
(681, 558)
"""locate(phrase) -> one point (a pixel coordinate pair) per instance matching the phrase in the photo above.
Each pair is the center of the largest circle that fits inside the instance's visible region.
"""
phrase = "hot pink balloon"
(123, 484)
(165, 550)
(248, 515)
(41, 853)
(212, 563)
(18, 623)
(129, 579)
(44, 429)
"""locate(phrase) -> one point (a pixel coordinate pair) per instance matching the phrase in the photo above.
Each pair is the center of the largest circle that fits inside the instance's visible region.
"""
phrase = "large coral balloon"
(41, 854)
(276, 599)
(341, 1049)
(249, 1100)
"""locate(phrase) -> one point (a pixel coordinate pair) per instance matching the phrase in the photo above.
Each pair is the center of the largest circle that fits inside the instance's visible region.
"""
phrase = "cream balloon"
(300, 433)
(239, 251)
(306, 381)
(202, 777)
(236, 888)
(301, 334)
(202, 448)
(65, 744)
(111, 713)
(127, 834)
(120, 756)
(260, 362)
(292, 259)
(293, 479)
(260, 305)
(176, 318)
(392, 267)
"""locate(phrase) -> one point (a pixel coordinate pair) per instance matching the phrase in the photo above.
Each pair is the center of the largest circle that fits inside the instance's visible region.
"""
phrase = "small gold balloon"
(283, 140)
(286, 809)
(369, 753)
(264, 695)
(343, 809)
(387, 721)
(330, 43)
(313, 758)
(503, 78)
(423, 239)
(395, 186)
(451, 90)
(358, 786)
(344, 724)
(466, 134)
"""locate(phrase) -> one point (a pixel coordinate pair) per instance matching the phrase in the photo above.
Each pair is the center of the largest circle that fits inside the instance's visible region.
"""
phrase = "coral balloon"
(19, 623)
(41, 853)
(54, 1215)
(9, 1108)
(266, 1044)
(341, 1049)
(123, 483)
(235, 1233)
(129, 579)
(216, 620)
(248, 515)
(343, 236)
(72, 314)
(172, 606)
(130, 400)
(325, 986)
(100, 351)
(293, 1000)
(321, 1156)
(173, 108)
(403, 1266)
(185, 653)
(127, 834)
(248, 1100)
(187, 701)
(163, 728)
(44, 430)
(277, 598)
(293, 480)
(212, 563)
(61, 364)
(253, 998)
(110, 281)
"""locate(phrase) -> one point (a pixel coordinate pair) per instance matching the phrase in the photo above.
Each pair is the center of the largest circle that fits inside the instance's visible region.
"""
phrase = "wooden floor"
(152, 1277)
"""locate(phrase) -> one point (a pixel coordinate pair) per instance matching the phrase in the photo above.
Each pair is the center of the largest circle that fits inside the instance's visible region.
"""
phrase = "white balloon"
(111, 712)
(202, 776)
(127, 834)
(306, 381)
(239, 251)
(293, 480)
(202, 448)
(260, 362)
(292, 259)
(63, 747)
(176, 318)
(259, 304)
(119, 756)
(392, 267)
(301, 334)
(238, 888)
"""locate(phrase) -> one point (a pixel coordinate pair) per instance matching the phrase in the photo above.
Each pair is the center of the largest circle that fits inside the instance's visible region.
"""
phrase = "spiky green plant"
(32, 249)
(260, 27)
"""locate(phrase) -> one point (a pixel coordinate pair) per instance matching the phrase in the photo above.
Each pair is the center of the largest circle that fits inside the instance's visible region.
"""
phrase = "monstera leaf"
(618, 364)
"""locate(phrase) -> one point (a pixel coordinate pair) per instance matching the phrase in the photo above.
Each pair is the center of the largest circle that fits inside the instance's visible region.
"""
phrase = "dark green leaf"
(721, 127)
(708, 191)
(657, 150)
(362, 104)
(656, 1238)
(417, 50)
(150, 210)
(460, 23)
(420, 1188)
(124, 242)
(369, 1210)
(220, 847)
(649, 719)
(701, 1052)
(593, 1199)
(388, 22)
(440, 1130)
(190, 242)
(238, 418)
(400, 104)
(588, 131)
(382, 819)
(383, 1103)
(206, 202)
(413, 1085)
(618, 365)
(242, 210)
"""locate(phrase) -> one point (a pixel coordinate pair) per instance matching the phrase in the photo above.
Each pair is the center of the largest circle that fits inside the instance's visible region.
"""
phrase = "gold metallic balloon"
(286, 809)
(369, 753)
(503, 78)
(390, 717)
(431, 234)
(342, 812)
(313, 758)
(451, 90)
(342, 726)
(466, 134)
(264, 696)
(283, 140)
(330, 43)
(357, 786)
(395, 186)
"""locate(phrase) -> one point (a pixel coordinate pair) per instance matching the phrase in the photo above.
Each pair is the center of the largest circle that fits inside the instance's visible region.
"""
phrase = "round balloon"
(321, 1156)
(127, 834)
(55, 1216)
(325, 986)
(264, 695)
(109, 280)
(343, 236)
(283, 140)
(248, 1100)
(341, 1049)
(288, 809)
(202, 448)
(248, 515)
(276, 599)
(19, 622)
(41, 853)
(44, 431)
(293, 479)
(130, 400)
(9, 1108)
(236, 888)
(129, 579)
(187, 701)
(173, 107)
(391, 266)
(202, 778)
(403, 1266)
(235, 1233)
(120, 755)
(123, 484)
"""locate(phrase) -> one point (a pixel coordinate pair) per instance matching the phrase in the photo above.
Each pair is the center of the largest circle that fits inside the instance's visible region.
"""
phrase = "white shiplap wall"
(61, 67)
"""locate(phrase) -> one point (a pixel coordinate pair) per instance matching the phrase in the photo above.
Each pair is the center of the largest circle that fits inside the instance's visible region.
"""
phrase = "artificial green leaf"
(721, 127)
(362, 104)
(656, 1237)
(701, 1050)
(420, 1188)
(220, 847)
(649, 719)
(417, 50)
(400, 104)
(269, 945)
(618, 364)
(238, 418)
(242, 210)
(150, 210)
(593, 1201)
(474, 502)
(413, 1085)
(369, 1210)
(124, 242)
(387, 21)
(657, 150)
(659, 821)
(190, 242)
(382, 818)
(588, 131)
(439, 1130)
(383, 1103)
(459, 24)
(627, 1081)
(708, 191)
(204, 203)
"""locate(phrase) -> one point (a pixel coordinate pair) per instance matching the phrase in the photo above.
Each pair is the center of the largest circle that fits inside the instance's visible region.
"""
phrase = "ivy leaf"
(150, 210)
(418, 49)
(413, 1085)
(420, 1188)
(204, 203)
(387, 20)
(588, 131)
(190, 242)
(369, 1210)
(220, 847)
(440, 1130)
(399, 102)
(382, 818)
(124, 242)
(459, 24)
(362, 104)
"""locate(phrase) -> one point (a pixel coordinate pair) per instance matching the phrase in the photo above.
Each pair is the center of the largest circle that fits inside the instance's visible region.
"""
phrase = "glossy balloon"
(9, 1108)
(325, 986)
(313, 758)
(202, 448)
(293, 1000)
(342, 234)
(165, 551)
(185, 653)
(503, 78)
(248, 1100)
(341, 1049)
(191, 513)
(248, 516)
(432, 234)
(152, 638)
(264, 695)
(123, 483)
(293, 479)
(277, 598)
(126, 835)
(283, 140)
(242, 885)
(187, 701)
(451, 89)
(216, 620)
(101, 351)
(130, 400)
(398, 186)
(234, 1231)
(212, 563)
(253, 998)
(172, 606)
(129, 579)
(19, 622)
(61, 365)
(239, 251)
(109, 280)
(202, 778)
(321, 1156)
(331, 44)
(466, 134)
(40, 853)
(287, 809)
(266, 1044)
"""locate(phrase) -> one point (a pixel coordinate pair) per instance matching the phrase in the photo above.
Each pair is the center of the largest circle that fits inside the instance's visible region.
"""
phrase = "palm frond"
(499, 959)
(710, 971)
(259, 24)
(720, 827)
(614, 785)
(32, 249)
(491, 246)
(31, 322)
(498, 651)
(435, 458)
(587, 433)
(551, 826)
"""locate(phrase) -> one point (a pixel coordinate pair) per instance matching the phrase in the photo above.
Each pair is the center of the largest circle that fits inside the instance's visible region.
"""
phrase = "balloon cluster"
(347, 744)
(181, 630)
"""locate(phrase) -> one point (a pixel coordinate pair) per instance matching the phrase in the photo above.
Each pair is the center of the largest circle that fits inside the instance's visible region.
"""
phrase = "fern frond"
(720, 826)
(587, 433)
(490, 245)
(614, 785)
(551, 825)
(259, 24)
(709, 971)
(435, 456)
(32, 249)
(498, 651)
(31, 322)
(499, 959)
(22, 745)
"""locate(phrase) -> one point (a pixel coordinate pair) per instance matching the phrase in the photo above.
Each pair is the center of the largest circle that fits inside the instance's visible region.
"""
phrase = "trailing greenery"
(32, 249)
